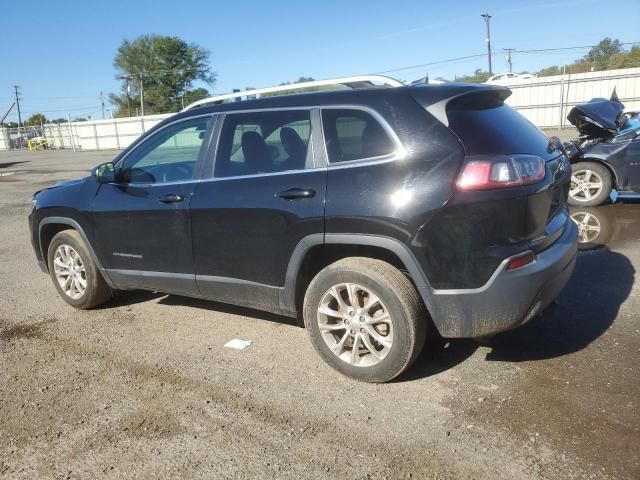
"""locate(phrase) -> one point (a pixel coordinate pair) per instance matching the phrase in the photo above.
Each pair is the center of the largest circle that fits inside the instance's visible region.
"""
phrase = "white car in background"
(509, 78)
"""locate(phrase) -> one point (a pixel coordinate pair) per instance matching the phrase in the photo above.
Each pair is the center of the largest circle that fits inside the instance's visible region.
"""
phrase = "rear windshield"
(485, 125)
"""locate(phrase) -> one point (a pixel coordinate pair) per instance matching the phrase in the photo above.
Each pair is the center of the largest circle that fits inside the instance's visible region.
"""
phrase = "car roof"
(428, 94)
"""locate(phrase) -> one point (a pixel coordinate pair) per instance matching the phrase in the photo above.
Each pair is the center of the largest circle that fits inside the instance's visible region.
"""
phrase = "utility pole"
(141, 95)
(487, 17)
(17, 89)
(126, 79)
(509, 50)
(102, 104)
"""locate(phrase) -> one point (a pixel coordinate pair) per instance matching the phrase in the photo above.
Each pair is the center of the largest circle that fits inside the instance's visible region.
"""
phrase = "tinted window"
(354, 134)
(169, 155)
(485, 125)
(263, 142)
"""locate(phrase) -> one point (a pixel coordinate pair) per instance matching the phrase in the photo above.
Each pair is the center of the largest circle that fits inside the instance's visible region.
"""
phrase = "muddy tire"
(74, 273)
(365, 319)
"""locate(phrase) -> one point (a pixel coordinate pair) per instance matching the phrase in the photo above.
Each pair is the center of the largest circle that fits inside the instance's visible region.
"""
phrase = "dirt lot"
(143, 387)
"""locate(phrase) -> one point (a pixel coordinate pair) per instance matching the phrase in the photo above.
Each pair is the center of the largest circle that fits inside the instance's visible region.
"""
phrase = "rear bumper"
(509, 298)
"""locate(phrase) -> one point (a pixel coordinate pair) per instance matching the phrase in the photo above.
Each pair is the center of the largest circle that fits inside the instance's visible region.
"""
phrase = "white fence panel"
(546, 101)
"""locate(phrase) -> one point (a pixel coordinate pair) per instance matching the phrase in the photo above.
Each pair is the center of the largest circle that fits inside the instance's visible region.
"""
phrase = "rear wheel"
(365, 319)
(590, 184)
(74, 273)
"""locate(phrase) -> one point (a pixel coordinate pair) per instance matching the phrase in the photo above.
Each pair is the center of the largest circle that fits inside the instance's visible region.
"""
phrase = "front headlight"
(34, 203)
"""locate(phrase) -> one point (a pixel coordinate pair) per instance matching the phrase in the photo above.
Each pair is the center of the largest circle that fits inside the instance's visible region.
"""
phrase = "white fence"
(116, 133)
(545, 101)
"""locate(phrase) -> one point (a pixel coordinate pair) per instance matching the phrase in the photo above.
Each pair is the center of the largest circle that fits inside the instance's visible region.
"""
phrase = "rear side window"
(485, 125)
(264, 142)
(352, 134)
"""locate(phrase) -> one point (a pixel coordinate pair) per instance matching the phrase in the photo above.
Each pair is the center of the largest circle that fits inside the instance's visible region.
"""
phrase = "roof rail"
(361, 81)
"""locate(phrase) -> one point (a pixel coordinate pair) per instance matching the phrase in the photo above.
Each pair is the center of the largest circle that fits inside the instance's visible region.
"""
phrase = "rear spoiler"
(436, 98)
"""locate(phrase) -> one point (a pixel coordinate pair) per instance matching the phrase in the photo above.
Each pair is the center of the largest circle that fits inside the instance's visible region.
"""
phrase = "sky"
(61, 53)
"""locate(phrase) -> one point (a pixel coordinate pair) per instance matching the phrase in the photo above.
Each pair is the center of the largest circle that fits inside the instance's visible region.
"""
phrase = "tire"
(68, 248)
(597, 177)
(397, 341)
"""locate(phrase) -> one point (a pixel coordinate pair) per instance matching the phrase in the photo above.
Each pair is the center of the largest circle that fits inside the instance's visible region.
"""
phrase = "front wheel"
(590, 184)
(365, 319)
(74, 273)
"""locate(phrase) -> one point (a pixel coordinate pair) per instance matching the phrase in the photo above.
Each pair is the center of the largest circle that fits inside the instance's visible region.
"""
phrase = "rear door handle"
(171, 198)
(296, 193)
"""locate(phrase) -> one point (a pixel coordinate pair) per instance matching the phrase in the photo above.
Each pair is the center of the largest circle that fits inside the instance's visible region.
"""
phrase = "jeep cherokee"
(372, 213)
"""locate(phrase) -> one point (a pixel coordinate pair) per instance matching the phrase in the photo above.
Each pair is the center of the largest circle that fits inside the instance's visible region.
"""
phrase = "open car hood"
(598, 117)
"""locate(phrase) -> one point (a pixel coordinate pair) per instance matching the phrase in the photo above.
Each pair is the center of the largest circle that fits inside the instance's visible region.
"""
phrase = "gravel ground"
(144, 388)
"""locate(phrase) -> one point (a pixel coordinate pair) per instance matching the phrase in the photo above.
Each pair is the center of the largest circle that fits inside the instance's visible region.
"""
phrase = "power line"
(477, 55)
(72, 109)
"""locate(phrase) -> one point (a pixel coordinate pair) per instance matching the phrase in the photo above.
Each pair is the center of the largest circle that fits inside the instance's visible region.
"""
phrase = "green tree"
(607, 55)
(166, 66)
(628, 59)
(601, 53)
(36, 119)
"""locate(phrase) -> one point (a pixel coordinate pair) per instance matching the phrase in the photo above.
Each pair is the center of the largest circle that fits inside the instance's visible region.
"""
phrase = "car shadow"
(10, 164)
(586, 308)
(131, 297)
(227, 308)
(438, 355)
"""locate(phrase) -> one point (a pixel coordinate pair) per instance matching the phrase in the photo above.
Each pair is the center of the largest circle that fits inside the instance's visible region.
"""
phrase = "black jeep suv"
(371, 213)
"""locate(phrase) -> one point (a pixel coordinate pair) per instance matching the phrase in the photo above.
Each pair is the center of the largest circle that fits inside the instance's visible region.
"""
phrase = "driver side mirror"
(105, 173)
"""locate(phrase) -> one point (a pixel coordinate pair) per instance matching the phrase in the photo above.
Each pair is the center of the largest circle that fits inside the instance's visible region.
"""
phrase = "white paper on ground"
(237, 344)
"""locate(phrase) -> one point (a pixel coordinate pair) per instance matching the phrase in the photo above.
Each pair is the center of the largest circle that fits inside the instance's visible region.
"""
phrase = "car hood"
(597, 118)
(64, 183)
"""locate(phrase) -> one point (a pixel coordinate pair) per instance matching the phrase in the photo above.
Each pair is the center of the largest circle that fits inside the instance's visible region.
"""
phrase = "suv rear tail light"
(500, 171)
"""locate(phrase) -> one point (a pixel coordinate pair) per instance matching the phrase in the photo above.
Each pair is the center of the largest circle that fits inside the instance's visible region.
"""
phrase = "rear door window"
(264, 142)
(352, 134)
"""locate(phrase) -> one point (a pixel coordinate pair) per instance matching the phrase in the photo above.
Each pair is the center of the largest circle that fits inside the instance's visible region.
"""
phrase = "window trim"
(398, 153)
(202, 154)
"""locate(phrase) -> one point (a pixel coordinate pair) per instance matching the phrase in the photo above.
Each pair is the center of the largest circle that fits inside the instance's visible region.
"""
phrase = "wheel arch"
(49, 227)
(614, 176)
(315, 252)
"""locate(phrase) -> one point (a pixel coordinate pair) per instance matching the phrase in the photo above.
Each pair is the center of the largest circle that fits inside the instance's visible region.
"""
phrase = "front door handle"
(171, 198)
(296, 193)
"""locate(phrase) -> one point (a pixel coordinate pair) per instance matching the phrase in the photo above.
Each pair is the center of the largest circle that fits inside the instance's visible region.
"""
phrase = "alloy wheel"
(355, 324)
(585, 185)
(70, 272)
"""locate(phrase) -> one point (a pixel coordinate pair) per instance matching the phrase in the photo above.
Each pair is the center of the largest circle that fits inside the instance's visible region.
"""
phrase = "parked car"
(509, 78)
(374, 214)
(606, 157)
